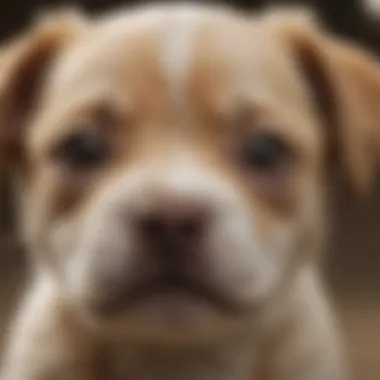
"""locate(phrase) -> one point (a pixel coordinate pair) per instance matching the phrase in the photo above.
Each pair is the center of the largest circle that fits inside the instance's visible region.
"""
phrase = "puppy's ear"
(345, 81)
(24, 64)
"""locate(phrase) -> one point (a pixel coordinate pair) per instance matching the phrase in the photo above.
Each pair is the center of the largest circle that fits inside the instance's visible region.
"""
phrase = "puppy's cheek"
(63, 239)
(50, 224)
(100, 258)
(245, 263)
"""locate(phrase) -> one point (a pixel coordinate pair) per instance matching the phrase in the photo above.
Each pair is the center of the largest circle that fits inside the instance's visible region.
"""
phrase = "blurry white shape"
(372, 7)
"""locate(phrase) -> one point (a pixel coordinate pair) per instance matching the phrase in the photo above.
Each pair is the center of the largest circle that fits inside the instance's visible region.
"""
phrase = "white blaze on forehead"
(172, 27)
(176, 51)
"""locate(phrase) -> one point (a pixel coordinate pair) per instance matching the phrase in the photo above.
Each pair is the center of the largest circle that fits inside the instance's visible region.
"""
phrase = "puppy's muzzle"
(171, 257)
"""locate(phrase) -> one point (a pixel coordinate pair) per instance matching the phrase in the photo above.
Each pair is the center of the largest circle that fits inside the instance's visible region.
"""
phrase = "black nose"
(173, 237)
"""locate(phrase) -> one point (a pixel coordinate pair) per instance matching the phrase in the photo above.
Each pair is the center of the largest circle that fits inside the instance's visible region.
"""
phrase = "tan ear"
(24, 63)
(345, 81)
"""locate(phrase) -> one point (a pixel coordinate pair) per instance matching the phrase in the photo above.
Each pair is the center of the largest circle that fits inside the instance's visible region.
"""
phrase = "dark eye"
(82, 150)
(265, 152)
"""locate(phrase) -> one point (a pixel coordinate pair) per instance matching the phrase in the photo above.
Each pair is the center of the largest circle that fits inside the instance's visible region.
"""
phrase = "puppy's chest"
(133, 364)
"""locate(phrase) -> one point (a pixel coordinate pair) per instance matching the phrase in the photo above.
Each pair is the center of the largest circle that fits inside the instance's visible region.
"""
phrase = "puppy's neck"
(232, 361)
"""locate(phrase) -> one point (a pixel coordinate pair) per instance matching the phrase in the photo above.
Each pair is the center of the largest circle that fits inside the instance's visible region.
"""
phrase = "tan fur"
(175, 91)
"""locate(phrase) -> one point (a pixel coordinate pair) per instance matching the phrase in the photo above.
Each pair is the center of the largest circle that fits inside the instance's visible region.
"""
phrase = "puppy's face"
(173, 165)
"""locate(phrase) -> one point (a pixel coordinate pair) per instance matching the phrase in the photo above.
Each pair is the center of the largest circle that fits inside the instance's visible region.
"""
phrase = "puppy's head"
(173, 161)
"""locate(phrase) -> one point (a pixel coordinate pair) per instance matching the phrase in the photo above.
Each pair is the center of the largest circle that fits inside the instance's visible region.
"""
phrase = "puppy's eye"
(265, 152)
(82, 150)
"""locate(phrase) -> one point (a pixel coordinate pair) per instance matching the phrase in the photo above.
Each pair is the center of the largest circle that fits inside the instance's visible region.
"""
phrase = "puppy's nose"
(173, 231)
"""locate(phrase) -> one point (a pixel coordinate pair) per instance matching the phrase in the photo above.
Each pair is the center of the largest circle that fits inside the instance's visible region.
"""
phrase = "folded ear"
(345, 81)
(24, 64)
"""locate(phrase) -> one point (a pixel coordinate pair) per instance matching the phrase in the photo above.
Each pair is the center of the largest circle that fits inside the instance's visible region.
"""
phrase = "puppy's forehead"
(168, 65)
(168, 47)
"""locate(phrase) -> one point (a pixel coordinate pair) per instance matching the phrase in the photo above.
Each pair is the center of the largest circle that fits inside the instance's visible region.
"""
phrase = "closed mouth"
(169, 285)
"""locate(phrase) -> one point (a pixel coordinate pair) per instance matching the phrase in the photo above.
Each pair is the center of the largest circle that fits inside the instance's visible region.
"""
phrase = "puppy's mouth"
(175, 287)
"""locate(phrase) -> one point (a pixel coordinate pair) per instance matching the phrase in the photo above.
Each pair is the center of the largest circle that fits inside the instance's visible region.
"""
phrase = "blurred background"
(352, 265)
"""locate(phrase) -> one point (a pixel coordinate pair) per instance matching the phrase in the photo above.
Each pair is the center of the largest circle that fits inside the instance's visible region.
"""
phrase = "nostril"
(151, 227)
(190, 230)
(155, 228)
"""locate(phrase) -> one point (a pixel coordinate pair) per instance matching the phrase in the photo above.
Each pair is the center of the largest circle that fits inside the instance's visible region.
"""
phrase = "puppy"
(172, 165)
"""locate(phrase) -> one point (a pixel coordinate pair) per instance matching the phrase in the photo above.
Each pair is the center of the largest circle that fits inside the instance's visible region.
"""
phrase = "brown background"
(353, 263)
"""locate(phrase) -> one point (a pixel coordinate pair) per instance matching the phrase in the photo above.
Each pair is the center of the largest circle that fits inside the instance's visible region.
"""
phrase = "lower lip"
(176, 290)
(169, 292)
(164, 289)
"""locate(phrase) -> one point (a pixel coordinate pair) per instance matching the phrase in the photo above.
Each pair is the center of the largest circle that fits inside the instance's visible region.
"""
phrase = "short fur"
(175, 91)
